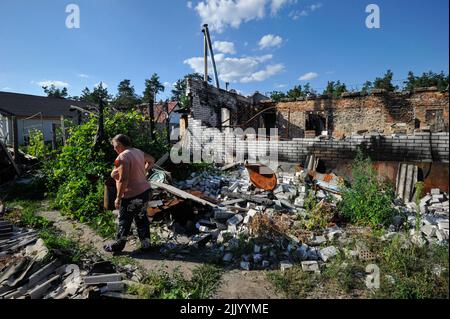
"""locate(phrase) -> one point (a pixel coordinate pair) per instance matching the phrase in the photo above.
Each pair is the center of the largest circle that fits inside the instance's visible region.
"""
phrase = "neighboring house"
(161, 114)
(34, 112)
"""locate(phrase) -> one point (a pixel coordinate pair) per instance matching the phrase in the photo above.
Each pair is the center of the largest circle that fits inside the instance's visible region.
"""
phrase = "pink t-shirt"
(134, 159)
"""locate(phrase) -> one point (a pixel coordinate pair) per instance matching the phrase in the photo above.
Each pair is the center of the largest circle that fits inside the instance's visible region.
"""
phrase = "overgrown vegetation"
(163, 285)
(406, 272)
(78, 173)
(23, 214)
(367, 201)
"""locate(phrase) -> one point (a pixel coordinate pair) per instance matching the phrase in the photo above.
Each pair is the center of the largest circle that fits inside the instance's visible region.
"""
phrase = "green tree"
(296, 92)
(440, 80)
(335, 89)
(385, 82)
(94, 96)
(152, 88)
(126, 96)
(367, 87)
(179, 89)
(52, 91)
(277, 96)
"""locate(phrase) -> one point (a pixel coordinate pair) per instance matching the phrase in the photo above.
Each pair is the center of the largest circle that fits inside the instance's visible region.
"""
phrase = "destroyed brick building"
(392, 127)
(380, 111)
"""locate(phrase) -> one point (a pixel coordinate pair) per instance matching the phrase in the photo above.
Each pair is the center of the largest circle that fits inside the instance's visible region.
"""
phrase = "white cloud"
(189, 4)
(270, 40)
(277, 4)
(6, 88)
(262, 75)
(224, 47)
(167, 85)
(295, 15)
(58, 84)
(220, 14)
(244, 69)
(308, 76)
(280, 86)
(82, 75)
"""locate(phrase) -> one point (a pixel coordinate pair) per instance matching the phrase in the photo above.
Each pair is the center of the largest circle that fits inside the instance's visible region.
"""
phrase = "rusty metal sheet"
(262, 176)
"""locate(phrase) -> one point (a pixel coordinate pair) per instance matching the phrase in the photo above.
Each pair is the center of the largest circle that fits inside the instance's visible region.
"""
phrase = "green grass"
(23, 214)
(410, 267)
(104, 224)
(294, 283)
(163, 285)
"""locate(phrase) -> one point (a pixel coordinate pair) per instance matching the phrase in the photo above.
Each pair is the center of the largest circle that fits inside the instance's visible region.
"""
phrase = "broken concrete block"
(310, 266)
(440, 235)
(334, 234)
(327, 253)
(299, 202)
(235, 220)
(102, 279)
(435, 191)
(285, 265)
(222, 214)
(428, 230)
(443, 224)
(200, 239)
(245, 265)
(425, 199)
(318, 240)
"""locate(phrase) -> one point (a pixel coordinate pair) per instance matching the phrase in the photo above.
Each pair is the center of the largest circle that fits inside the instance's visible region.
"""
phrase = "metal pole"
(205, 54)
(208, 38)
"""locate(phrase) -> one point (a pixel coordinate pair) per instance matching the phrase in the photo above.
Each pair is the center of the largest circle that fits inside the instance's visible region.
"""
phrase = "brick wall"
(379, 112)
(418, 147)
(207, 102)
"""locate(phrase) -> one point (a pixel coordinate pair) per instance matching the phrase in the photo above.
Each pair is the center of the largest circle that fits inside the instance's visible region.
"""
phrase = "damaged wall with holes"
(216, 107)
(381, 112)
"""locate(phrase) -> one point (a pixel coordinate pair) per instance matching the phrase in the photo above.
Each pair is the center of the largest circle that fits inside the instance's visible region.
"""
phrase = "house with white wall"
(34, 112)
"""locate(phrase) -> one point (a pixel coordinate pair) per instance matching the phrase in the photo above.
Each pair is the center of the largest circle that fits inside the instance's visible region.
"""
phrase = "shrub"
(37, 147)
(78, 173)
(367, 201)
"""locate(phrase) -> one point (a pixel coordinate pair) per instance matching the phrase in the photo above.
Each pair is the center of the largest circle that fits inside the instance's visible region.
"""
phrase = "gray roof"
(28, 105)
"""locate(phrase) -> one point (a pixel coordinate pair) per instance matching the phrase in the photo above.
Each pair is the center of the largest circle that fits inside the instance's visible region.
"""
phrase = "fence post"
(15, 138)
(63, 129)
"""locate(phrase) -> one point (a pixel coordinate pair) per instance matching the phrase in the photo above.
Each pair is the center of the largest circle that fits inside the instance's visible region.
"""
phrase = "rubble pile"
(431, 217)
(27, 272)
(255, 229)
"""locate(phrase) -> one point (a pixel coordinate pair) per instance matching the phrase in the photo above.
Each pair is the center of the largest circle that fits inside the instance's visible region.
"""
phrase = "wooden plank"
(182, 194)
(5, 149)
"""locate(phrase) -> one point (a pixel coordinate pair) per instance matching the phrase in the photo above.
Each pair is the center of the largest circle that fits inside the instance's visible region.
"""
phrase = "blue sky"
(262, 45)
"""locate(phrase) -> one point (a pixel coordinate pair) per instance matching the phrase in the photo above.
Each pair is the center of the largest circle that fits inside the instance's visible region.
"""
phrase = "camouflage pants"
(134, 209)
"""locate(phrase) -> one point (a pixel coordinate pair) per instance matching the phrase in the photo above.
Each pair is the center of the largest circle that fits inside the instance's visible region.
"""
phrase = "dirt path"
(235, 284)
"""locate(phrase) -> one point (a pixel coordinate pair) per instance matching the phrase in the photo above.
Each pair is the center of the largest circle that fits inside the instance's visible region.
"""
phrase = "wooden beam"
(178, 192)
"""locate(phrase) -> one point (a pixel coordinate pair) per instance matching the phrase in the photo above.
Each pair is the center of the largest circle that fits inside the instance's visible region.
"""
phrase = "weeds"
(162, 285)
(367, 201)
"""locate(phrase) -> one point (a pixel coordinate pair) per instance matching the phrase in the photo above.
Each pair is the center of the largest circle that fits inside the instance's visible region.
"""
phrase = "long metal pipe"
(205, 54)
(208, 38)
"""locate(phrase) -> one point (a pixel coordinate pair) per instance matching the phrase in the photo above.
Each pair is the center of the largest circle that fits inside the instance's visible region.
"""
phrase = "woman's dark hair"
(122, 139)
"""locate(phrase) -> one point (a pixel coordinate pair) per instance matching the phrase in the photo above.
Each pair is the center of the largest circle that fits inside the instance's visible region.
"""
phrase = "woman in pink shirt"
(133, 192)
